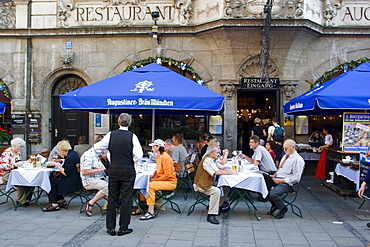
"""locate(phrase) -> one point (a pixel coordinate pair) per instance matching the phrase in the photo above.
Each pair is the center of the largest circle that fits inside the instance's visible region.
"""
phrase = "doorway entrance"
(252, 104)
(66, 123)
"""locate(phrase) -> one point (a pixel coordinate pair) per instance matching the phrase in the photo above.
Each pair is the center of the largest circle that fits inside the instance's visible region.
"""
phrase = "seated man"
(204, 178)
(261, 157)
(177, 154)
(285, 179)
(82, 146)
(93, 178)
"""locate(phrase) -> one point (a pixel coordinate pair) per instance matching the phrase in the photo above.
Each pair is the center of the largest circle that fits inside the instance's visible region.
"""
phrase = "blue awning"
(348, 92)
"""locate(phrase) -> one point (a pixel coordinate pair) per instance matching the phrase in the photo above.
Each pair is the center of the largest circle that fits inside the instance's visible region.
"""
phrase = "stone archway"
(63, 123)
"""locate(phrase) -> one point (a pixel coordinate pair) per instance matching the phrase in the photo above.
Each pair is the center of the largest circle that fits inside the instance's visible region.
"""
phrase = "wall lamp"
(155, 33)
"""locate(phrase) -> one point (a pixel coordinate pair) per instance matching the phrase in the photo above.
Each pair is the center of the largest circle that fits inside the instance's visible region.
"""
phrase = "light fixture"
(155, 33)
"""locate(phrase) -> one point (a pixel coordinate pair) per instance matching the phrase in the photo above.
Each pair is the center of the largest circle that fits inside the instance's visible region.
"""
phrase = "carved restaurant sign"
(258, 83)
(123, 13)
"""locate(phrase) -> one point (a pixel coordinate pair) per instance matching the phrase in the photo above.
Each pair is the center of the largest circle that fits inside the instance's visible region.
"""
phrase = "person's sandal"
(51, 208)
(62, 204)
(88, 209)
(148, 216)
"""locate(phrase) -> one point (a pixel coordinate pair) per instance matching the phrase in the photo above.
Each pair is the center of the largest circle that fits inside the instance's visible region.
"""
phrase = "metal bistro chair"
(6, 194)
(199, 197)
(289, 198)
(164, 194)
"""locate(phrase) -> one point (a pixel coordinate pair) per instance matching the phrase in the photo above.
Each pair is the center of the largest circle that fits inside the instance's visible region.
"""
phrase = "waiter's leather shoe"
(282, 213)
(272, 210)
(124, 232)
(111, 232)
(212, 219)
(368, 224)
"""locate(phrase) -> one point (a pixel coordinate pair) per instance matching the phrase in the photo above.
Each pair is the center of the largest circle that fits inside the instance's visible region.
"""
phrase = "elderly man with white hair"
(204, 178)
(285, 179)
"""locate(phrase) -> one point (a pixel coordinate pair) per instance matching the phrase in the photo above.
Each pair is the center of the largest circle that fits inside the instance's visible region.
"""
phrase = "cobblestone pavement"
(328, 220)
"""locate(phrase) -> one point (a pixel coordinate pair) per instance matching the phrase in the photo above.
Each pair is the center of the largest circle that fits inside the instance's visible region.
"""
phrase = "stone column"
(230, 121)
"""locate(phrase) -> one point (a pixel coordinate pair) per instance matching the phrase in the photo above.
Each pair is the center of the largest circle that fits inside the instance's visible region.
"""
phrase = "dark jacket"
(72, 182)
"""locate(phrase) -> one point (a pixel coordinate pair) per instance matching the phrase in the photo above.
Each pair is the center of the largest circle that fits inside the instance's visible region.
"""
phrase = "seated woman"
(164, 177)
(11, 159)
(67, 180)
(316, 139)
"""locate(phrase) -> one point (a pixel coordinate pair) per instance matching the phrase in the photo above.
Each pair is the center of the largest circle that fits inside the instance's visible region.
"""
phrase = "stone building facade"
(49, 47)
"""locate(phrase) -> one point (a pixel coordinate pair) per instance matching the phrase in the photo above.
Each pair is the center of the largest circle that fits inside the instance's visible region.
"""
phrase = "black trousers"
(120, 192)
(53, 195)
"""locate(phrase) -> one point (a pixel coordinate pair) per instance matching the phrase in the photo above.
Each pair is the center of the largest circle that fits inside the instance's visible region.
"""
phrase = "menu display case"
(340, 184)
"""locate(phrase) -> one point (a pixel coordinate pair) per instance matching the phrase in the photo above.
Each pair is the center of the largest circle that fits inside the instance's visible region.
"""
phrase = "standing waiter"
(125, 150)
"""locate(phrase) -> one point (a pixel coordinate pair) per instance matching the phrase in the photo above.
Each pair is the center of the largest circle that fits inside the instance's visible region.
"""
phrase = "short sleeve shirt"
(264, 157)
(210, 166)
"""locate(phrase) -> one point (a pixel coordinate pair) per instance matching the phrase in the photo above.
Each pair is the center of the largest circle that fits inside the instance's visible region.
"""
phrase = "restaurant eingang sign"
(259, 83)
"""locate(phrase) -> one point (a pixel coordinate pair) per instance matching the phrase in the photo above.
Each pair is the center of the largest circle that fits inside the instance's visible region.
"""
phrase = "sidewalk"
(328, 220)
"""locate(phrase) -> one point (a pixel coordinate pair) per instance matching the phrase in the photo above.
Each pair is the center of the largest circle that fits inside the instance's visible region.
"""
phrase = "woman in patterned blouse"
(11, 159)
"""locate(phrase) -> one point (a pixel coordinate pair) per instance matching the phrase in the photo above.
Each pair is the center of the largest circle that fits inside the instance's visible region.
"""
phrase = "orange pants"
(155, 186)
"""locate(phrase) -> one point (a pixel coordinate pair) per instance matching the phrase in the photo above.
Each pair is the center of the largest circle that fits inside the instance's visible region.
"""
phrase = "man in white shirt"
(285, 179)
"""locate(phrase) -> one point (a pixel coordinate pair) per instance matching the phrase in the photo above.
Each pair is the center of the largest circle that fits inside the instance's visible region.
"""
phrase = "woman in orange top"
(163, 179)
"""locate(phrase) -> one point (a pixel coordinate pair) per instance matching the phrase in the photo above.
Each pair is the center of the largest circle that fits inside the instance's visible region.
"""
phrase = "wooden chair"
(2, 148)
(181, 182)
(45, 154)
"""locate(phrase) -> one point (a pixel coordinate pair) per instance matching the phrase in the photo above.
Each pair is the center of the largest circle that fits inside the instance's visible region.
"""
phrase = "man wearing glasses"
(261, 157)
(285, 179)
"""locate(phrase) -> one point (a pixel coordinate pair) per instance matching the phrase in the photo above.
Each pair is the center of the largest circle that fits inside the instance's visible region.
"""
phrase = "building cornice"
(184, 30)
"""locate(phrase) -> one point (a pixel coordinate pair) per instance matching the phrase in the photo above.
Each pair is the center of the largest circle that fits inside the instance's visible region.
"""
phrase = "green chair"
(200, 198)
(84, 196)
(289, 198)
(164, 194)
(6, 194)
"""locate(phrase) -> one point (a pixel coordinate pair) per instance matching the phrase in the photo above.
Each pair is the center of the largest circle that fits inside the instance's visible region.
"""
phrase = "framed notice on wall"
(215, 124)
(356, 131)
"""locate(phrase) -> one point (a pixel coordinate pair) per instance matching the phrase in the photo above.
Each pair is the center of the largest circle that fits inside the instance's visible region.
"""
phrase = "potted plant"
(5, 135)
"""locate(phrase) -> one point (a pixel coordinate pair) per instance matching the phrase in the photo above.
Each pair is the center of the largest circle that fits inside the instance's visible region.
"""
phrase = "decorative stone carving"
(186, 11)
(255, 9)
(229, 90)
(289, 91)
(229, 133)
(67, 59)
(251, 68)
(331, 11)
(207, 10)
(7, 15)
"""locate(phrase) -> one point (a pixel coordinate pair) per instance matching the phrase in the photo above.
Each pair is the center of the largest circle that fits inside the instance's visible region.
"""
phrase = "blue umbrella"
(348, 92)
(2, 107)
(143, 89)
(151, 89)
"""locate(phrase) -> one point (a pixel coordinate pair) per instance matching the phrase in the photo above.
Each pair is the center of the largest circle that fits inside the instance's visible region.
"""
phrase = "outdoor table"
(31, 177)
(309, 156)
(244, 182)
(143, 178)
(349, 173)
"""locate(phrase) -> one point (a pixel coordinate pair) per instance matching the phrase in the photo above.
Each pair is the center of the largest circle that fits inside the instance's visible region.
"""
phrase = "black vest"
(121, 150)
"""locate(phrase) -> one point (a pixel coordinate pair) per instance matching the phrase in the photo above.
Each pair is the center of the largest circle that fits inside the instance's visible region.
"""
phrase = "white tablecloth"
(247, 180)
(350, 174)
(143, 178)
(30, 177)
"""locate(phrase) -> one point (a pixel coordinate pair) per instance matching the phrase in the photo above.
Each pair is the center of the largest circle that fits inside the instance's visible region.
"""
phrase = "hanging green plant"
(169, 61)
(340, 69)
(5, 89)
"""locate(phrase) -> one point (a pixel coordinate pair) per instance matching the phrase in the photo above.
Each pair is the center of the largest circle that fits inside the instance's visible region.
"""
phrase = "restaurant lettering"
(259, 83)
(121, 13)
(140, 101)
